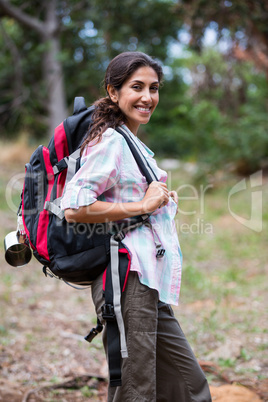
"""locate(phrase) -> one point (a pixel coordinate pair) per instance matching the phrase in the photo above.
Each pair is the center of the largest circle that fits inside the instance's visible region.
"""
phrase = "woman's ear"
(112, 93)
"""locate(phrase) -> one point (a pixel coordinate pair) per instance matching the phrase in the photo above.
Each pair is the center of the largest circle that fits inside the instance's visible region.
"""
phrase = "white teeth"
(143, 109)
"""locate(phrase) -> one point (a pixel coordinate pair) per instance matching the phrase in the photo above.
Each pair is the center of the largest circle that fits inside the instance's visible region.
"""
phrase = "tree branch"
(21, 16)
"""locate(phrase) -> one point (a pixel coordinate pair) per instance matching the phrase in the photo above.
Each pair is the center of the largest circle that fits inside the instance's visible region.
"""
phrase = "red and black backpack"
(74, 252)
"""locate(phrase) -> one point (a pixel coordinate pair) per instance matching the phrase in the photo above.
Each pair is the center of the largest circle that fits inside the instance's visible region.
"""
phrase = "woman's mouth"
(143, 109)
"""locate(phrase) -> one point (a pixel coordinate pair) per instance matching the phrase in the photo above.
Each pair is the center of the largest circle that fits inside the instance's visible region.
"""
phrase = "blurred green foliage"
(245, 21)
(218, 117)
(90, 34)
(213, 108)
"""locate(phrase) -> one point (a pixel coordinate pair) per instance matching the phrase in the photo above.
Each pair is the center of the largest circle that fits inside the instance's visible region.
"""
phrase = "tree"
(76, 40)
(217, 117)
(47, 28)
(245, 20)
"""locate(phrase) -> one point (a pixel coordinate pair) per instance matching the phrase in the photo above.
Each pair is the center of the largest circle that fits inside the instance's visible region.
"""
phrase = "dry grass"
(16, 154)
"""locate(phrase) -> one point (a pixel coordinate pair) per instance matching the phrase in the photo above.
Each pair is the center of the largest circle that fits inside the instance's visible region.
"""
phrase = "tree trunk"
(48, 30)
(52, 68)
(53, 76)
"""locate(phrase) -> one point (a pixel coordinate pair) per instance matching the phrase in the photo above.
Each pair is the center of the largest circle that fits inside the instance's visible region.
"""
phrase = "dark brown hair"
(107, 113)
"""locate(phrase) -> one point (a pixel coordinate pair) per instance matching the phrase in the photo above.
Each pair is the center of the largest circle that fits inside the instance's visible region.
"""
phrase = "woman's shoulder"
(110, 141)
(111, 133)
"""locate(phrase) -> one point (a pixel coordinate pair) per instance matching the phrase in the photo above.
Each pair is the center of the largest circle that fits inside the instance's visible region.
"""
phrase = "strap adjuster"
(61, 165)
(94, 332)
(119, 236)
(160, 253)
(108, 313)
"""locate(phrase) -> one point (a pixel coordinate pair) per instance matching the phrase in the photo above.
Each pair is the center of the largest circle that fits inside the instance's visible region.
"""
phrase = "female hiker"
(109, 187)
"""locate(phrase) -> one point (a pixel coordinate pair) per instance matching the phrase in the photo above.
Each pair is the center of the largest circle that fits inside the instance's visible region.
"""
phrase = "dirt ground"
(43, 354)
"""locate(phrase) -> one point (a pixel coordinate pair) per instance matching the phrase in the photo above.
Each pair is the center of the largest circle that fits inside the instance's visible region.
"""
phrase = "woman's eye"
(139, 88)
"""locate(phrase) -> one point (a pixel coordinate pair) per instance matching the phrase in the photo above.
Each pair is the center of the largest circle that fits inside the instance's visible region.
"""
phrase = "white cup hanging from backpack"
(17, 250)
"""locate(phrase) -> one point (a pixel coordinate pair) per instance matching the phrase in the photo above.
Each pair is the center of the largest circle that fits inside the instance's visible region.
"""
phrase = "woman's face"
(138, 97)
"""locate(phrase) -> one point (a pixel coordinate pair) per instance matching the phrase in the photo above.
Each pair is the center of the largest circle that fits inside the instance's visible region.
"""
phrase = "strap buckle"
(94, 332)
(160, 253)
(60, 166)
(119, 236)
(108, 313)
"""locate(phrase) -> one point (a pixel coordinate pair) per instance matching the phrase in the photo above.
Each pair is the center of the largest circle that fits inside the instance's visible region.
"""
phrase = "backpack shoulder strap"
(76, 125)
(79, 104)
(142, 162)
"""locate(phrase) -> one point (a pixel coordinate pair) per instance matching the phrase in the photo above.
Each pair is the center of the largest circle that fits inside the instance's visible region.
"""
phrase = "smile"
(143, 109)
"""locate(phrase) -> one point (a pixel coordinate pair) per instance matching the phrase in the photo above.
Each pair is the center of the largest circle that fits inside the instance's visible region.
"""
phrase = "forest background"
(213, 106)
(210, 131)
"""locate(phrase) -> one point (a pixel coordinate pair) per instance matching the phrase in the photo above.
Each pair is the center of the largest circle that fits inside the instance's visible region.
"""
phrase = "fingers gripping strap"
(117, 295)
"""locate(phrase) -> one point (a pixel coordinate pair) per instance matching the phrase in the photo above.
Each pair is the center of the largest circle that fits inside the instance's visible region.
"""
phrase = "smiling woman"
(157, 362)
(138, 98)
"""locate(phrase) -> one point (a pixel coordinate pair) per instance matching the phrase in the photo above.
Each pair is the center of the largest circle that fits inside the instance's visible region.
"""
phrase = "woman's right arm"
(156, 196)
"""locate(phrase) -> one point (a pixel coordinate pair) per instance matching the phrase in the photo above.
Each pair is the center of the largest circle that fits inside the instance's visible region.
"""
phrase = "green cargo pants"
(161, 365)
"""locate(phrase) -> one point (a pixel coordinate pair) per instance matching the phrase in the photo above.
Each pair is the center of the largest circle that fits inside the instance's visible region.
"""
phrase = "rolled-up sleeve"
(99, 171)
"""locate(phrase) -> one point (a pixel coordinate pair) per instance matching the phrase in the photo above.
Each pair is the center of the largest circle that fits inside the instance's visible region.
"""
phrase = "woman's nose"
(146, 96)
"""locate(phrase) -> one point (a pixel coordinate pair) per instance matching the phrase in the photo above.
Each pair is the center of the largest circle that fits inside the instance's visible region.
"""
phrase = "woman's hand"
(173, 194)
(156, 196)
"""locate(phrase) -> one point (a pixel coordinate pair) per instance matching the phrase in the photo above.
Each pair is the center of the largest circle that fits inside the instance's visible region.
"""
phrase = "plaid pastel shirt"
(110, 173)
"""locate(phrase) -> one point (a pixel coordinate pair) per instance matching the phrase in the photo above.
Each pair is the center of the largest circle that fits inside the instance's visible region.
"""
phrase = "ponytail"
(106, 114)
